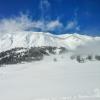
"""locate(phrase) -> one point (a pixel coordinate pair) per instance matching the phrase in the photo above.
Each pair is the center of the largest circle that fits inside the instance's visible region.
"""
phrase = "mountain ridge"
(28, 39)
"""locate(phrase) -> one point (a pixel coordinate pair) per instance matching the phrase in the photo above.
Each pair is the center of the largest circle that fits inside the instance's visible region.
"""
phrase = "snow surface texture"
(36, 39)
(50, 79)
(57, 77)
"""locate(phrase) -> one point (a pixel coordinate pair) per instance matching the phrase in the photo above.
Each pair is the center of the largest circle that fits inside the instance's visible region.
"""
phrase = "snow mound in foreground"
(48, 79)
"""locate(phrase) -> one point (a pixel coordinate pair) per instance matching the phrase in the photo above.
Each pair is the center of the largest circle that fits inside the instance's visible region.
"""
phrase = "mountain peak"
(29, 39)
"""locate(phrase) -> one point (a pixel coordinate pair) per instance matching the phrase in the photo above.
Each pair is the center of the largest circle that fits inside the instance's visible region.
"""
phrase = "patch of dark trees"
(83, 59)
(19, 55)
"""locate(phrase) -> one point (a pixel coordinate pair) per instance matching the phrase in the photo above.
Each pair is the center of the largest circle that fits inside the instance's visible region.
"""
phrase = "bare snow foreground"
(54, 78)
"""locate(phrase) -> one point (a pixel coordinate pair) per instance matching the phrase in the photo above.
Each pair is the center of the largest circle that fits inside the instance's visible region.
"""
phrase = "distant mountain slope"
(38, 39)
(24, 46)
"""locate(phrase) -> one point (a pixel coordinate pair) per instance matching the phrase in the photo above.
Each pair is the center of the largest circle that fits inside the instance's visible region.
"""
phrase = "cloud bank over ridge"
(24, 23)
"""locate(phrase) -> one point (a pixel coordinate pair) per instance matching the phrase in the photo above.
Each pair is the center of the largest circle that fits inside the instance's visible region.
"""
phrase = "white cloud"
(48, 26)
(38, 25)
(72, 25)
(54, 24)
(78, 28)
(23, 23)
(44, 3)
(15, 24)
(91, 47)
(44, 9)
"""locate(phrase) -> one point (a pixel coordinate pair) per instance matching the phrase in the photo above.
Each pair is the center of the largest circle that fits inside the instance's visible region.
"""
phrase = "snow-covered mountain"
(37, 39)
(31, 68)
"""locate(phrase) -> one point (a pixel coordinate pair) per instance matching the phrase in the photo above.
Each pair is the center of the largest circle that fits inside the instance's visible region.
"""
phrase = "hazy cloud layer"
(72, 25)
(92, 47)
(23, 23)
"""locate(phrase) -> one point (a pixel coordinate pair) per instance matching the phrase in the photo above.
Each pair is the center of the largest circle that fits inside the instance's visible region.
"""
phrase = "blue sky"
(61, 16)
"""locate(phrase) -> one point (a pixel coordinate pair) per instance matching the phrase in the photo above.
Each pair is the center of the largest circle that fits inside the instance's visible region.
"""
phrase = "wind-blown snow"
(63, 79)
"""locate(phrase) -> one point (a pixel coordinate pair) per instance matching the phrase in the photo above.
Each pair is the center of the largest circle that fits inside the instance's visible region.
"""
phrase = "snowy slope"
(36, 39)
(48, 80)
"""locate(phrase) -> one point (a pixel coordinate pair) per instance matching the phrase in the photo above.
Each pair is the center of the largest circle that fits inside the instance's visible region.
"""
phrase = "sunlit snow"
(60, 79)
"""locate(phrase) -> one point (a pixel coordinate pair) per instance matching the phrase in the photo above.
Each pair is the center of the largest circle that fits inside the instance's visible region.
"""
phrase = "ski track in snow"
(63, 79)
